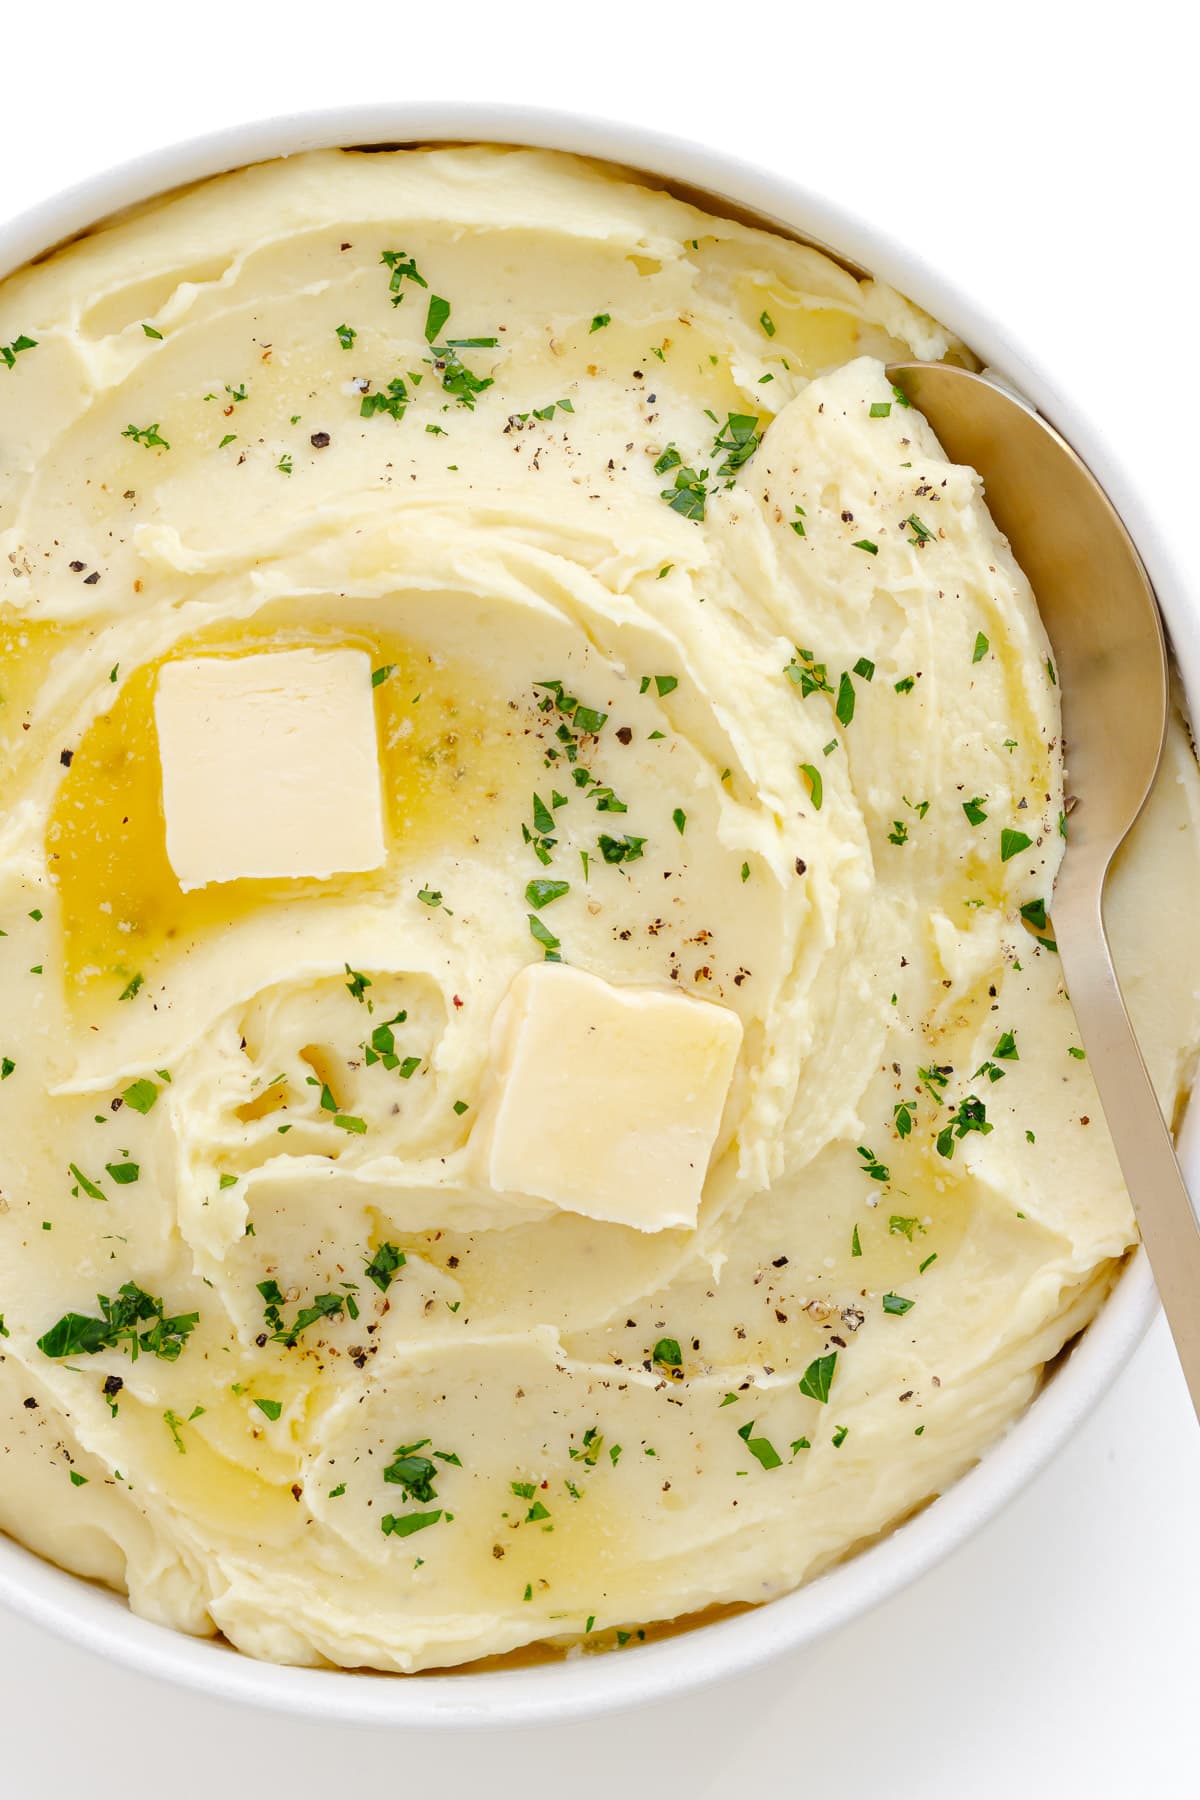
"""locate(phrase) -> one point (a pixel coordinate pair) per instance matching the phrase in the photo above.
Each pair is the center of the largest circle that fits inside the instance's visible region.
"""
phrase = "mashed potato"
(341, 1313)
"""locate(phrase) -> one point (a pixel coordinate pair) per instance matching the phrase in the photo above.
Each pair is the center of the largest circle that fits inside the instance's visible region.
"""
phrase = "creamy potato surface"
(537, 1093)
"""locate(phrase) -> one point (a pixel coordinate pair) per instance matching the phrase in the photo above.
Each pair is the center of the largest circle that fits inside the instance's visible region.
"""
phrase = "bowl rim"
(96, 1619)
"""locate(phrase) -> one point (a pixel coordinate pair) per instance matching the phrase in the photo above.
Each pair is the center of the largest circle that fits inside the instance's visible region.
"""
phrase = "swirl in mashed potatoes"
(537, 1091)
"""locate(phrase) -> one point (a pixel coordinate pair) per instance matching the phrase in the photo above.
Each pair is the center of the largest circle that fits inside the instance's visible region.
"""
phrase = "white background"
(1046, 155)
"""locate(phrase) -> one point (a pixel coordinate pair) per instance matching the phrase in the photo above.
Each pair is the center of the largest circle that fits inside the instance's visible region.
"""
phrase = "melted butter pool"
(451, 751)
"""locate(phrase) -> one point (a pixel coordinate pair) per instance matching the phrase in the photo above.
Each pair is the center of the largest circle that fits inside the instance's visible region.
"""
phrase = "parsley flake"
(762, 1449)
(383, 1266)
(817, 1379)
(146, 435)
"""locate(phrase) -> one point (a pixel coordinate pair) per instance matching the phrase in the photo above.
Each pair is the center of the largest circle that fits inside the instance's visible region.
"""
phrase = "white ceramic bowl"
(102, 1621)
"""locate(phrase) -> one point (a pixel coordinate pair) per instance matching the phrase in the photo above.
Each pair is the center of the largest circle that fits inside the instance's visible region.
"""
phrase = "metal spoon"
(1110, 654)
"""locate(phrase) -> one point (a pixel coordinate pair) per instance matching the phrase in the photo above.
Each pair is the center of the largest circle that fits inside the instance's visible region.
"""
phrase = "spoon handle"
(1165, 1215)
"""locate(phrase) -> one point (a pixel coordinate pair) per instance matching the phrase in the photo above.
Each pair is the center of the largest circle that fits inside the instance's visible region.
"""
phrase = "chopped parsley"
(872, 1166)
(83, 1184)
(324, 1306)
(817, 1379)
(270, 1408)
(762, 1449)
(405, 1524)
(383, 1266)
(599, 321)
(974, 809)
(141, 1094)
(667, 1354)
(402, 268)
(541, 893)
(435, 317)
(935, 1079)
(174, 1425)
(393, 401)
(542, 934)
(806, 674)
(461, 383)
(621, 850)
(899, 1226)
(970, 1115)
(10, 352)
(413, 1473)
(815, 783)
(866, 544)
(382, 1047)
(346, 335)
(688, 496)
(735, 443)
(147, 435)
(357, 985)
(78, 1334)
(896, 1303)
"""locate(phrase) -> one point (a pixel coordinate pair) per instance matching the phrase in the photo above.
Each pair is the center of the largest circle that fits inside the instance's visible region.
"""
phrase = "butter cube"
(270, 766)
(606, 1100)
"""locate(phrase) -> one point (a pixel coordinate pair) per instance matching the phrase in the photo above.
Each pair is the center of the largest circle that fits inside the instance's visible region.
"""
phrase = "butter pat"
(270, 766)
(606, 1100)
